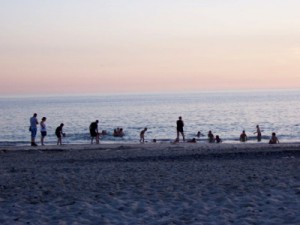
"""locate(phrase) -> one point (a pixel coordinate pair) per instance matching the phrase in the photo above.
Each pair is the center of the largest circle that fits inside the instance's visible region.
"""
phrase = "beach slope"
(150, 184)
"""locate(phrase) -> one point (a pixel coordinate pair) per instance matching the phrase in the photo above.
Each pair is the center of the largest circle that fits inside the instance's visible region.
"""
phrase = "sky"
(121, 46)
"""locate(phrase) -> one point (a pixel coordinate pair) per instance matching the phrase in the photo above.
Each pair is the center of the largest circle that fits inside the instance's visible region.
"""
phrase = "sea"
(225, 113)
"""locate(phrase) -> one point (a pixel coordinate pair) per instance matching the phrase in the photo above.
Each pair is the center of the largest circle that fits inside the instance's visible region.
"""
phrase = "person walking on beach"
(211, 137)
(142, 135)
(43, 130)
(33, 128)
(274, 139)
(179, 128)
(243, 137)
(59, 134)
(258, 132)
(94, 132)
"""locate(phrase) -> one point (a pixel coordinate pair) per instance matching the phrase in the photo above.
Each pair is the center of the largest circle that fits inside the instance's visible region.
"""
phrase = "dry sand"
(151, 184)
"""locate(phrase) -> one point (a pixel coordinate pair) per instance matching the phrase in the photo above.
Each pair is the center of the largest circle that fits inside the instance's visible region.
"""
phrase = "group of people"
(118, 132)
(217, 139)
(33, 129)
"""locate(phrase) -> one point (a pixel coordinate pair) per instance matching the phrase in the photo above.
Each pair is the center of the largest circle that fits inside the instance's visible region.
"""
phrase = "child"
(142, 135)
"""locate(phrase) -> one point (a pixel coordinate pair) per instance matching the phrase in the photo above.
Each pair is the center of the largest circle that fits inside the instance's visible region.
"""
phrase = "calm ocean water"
(225, 113)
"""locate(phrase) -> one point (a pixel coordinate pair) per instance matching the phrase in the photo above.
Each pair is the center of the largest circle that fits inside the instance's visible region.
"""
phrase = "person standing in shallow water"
(43, 130)
(243, 137)
(258, 132)
(179, 128)
(33, 128)
(211, 137)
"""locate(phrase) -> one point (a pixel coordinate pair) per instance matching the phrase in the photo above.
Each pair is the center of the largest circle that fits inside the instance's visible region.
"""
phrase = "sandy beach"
(150, 184)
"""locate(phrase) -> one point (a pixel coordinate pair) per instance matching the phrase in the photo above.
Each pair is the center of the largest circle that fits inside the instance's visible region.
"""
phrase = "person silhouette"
(179, 128)
(211, 137)
(274, 139)
(258, 132)
(243, 137)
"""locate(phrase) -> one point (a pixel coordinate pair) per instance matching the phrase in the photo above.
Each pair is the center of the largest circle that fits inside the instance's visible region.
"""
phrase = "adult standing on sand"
(180, 126)
(94, 131)
(33, 128)
(258, 132)
(43, 130)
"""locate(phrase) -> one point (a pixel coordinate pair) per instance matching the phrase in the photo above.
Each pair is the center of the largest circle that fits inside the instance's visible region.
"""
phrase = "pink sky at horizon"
(51, 47)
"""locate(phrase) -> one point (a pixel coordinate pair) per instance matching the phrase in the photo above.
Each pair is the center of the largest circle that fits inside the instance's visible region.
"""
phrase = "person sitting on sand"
(218, 139)
(243, 137)
(59, 134)
(94, 131)
(211, 137)
(142, 135)
(192, 140)
(258, 132)
(274, 139)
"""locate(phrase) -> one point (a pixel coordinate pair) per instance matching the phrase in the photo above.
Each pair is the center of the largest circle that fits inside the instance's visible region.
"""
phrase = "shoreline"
(158, 146)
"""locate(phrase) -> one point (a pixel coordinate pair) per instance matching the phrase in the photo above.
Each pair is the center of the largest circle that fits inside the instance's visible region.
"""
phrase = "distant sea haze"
(226, 114)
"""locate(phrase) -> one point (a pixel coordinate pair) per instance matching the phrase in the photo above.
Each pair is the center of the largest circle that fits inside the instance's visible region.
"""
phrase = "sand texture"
(151, 184)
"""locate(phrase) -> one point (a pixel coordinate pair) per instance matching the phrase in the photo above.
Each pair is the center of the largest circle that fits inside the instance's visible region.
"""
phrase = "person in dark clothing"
(211, 137)
(274, 139)
(179, 128)
(94, 132)
(218, 139)
(59, 134)
(243, 137)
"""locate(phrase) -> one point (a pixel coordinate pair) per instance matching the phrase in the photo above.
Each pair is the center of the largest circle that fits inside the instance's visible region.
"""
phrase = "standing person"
(94, 131)
(258, 132)
(211, 137)
(43, 130)
(243, 137)
(180, 126)
(274, 139)
(59, 133)
(142, 135)
(33, 128)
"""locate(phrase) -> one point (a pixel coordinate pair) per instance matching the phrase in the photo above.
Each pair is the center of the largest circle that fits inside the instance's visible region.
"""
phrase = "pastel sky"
(105, 46)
